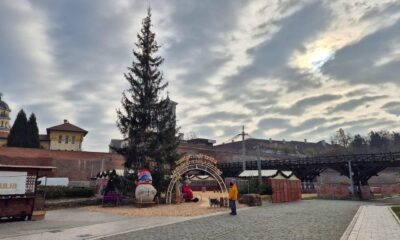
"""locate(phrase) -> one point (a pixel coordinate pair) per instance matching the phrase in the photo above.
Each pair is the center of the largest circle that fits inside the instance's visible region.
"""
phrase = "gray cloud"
(353, 103)
(378, 12)
(392, 108)
(66, 59)
(300, 106)
(308, 124)
(273, 123)
(221, 116)
(356, 63)
(275, 52)
(196, 24)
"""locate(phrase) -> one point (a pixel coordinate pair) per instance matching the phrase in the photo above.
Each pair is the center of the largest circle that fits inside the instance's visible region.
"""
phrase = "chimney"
(284, 141)
(270, 140)
(65, 121)
(305, 140)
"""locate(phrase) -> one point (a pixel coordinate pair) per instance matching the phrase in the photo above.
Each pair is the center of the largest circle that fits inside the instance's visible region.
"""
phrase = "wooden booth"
(285, 185)
(18, 199)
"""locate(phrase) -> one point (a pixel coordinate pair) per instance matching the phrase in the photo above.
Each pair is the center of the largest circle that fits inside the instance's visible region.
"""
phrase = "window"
(73, 140)
(59, 138)
(66, 139)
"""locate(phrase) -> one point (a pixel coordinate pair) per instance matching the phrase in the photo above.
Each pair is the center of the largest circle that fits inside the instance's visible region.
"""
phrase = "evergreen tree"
(359, 144)
(146, 120)
(18, 132)
(396, 141)
(33, 133)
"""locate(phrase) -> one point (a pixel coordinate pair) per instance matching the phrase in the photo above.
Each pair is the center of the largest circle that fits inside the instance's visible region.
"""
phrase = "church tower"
(4, 116)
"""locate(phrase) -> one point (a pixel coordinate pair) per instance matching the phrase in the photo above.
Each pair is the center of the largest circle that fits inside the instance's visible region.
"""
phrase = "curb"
(349, 228)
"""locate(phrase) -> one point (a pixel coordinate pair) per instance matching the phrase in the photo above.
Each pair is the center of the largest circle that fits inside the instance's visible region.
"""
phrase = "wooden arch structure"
(196, 162)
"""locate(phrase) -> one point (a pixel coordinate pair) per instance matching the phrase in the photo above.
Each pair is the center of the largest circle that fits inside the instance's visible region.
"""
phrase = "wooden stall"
(285, 185)
(18, 199)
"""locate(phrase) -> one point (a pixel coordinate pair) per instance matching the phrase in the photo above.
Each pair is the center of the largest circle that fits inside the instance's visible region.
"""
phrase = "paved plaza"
(78, 224)
(314, 219)
(373, 223)
(309, 219)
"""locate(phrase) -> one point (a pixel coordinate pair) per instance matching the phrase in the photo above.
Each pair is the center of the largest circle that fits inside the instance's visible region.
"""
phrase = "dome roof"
(4, 105)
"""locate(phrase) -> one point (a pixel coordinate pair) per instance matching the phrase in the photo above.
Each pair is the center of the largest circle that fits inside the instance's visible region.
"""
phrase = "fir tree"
(33, 133)
(18, 132)
(146, 120)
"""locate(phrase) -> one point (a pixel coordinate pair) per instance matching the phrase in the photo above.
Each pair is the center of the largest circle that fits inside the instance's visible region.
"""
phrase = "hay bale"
(251, 199)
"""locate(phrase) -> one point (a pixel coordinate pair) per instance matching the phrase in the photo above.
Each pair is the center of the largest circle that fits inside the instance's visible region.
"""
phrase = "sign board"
(12, 182)
(53, 181)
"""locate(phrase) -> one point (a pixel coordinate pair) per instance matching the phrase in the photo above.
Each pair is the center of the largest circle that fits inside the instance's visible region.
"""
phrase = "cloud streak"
(287, 69)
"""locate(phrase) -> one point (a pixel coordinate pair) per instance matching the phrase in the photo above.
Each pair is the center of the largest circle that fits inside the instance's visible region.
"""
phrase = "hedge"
(54, 192)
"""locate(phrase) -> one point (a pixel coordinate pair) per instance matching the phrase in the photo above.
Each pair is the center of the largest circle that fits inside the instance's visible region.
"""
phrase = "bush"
(79, 192)
(396, 210)
(56, 192)
(265, 190)
(254, 187)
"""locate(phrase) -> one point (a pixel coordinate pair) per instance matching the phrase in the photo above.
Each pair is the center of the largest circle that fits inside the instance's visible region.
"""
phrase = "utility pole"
(351, 179)
(259, 165)
(243, 148)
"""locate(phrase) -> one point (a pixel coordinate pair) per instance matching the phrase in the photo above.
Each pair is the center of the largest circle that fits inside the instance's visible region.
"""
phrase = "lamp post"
(259, 165)
(351, 179)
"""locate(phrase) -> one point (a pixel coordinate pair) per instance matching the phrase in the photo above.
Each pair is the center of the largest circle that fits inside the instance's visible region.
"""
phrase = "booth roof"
(105, 173)
(27, 166)
(264, 173)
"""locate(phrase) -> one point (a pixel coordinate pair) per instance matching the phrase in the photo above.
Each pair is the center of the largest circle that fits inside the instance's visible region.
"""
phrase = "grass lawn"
(397, 211)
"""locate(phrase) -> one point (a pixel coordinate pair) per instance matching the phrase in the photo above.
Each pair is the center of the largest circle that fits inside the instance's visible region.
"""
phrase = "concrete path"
(373, 223)
(79, 224)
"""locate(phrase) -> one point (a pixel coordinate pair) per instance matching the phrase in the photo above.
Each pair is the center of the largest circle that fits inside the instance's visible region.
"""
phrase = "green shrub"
(79, 192)
(265, 190)
(55, 192)
(396, 210)
(254, 187)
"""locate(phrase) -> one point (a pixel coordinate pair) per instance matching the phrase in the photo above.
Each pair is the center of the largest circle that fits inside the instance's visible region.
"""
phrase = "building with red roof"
(65, 136)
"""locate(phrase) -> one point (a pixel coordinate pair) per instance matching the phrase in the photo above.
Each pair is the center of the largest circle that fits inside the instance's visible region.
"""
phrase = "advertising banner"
(12, 182)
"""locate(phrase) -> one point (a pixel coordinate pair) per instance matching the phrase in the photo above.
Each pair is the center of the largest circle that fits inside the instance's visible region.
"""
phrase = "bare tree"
(342, 138)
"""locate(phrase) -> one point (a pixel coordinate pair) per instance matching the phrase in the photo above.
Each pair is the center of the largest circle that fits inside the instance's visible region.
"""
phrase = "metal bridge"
(362, 166)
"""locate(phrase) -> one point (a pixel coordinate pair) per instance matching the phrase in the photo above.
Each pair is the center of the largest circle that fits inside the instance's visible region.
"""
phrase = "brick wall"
(78, 166)
(333, 191)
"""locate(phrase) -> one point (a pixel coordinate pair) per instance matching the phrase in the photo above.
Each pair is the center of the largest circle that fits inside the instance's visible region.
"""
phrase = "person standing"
(233, 196)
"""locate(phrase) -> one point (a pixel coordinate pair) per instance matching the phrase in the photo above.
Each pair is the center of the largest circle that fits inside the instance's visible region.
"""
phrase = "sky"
(286, 69)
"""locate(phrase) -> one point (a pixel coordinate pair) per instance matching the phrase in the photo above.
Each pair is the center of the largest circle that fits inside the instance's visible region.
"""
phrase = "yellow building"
(4, 116)
(4, 121)
(63, 137)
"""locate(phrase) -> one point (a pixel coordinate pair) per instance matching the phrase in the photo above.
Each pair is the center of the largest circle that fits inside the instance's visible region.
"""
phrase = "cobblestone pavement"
(373, 223)
(312, 219)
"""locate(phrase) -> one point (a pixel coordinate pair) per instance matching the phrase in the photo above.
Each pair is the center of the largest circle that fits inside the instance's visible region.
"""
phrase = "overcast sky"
(284, 69)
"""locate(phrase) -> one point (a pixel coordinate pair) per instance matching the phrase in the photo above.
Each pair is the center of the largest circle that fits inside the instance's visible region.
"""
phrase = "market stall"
(18, 199)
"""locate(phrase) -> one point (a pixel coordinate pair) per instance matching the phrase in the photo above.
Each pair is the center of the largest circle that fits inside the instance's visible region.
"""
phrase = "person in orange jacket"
(233, 196)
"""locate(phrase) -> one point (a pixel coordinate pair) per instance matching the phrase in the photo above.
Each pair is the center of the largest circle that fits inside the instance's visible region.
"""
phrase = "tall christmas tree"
(18, 136)
(33, 133)
(146, 119)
